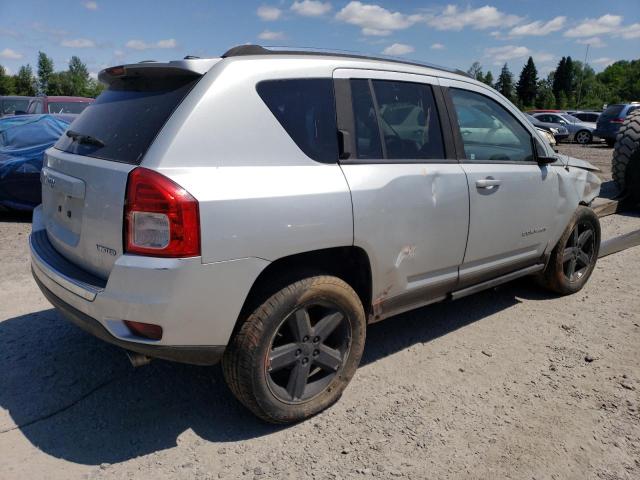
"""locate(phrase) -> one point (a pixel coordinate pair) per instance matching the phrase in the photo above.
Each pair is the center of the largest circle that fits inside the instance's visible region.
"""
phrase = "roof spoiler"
(184, 68)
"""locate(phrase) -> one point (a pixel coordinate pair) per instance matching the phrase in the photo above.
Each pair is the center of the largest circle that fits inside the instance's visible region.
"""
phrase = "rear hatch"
(604, 120)
(84, 177)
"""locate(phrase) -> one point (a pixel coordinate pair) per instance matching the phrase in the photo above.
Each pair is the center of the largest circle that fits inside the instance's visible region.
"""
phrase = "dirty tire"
(626, 156)
(583, 137)
(247, 363)
(555, 277)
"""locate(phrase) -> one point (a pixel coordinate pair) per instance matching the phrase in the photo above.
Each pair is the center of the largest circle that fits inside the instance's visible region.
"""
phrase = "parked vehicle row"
(579, 131)
(17, 105)
(369, 187)
(612, 119)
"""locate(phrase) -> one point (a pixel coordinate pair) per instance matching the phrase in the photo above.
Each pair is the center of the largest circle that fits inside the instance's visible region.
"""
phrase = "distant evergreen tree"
(79, 76)
(6, 82)
(527, 87)
(45, 70)
(25, 82)
(505, 82)
(545, 97)
(488, 78)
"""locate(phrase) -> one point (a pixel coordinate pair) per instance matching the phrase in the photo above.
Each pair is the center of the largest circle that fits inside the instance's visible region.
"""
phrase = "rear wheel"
(295, 354)
(574, 257)
(583, 137)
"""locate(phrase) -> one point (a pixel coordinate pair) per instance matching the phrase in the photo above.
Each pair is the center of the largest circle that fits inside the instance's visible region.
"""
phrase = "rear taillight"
(617, 120)
(161, 217)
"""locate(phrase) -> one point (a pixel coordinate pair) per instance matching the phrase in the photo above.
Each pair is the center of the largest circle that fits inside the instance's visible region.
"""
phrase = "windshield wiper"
(86, 139)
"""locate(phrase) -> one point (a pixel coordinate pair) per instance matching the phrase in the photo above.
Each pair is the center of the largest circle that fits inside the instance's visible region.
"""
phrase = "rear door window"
(306, 110)
(368, 144)
(123, 121)
(408, 120)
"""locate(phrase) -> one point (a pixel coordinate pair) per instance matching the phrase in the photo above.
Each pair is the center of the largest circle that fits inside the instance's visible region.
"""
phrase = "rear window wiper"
(86, 139)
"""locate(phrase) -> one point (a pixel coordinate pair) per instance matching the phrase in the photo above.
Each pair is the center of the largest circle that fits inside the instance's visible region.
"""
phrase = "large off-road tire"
(574, 257)
(626, 157)
(295, 354)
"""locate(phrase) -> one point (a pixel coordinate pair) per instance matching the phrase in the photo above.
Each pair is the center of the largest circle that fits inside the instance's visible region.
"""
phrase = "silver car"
(579, 131)
(263, 207)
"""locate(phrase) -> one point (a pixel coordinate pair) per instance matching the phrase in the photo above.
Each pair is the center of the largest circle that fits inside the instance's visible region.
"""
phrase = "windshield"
(10, 106)
(570, 118)
(123, 121)
(67, 107)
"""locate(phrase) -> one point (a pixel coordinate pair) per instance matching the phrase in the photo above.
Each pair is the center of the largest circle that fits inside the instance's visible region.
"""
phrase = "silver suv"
(261, 208)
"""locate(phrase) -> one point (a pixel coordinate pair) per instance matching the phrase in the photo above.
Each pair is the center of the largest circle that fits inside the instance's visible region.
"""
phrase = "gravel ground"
(509, 383)
(596, 153)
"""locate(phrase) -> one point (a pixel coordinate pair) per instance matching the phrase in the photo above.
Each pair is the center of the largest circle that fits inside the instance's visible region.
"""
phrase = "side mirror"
(546, 160)
(541, 154)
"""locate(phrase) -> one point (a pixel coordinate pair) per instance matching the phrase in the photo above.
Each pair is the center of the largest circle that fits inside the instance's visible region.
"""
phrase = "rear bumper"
(606, 134)
(198, 355)
(196, 304)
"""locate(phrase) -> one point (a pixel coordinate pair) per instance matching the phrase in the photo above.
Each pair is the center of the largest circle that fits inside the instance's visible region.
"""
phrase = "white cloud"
(453, 18)
(268, 14)
(269, 35)
(603, 61)
(595, 42)
(374, 19)
(501, 55)
(595, 26)
(10, 54)
(90, 5)
(93, 75)
(631, 31)
(398, 49)
(78, 43)
(437, 46)
(539, 28)
(142, 45)
(311, 8)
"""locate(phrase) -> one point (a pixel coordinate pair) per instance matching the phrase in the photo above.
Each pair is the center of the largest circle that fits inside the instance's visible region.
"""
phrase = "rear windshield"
(612, 111)
(9, 107)
(67, 107)
(123, 121)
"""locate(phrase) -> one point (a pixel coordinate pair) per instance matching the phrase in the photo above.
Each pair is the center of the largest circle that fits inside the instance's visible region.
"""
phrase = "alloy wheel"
(307, 351)
(579, 251)
(583, 137)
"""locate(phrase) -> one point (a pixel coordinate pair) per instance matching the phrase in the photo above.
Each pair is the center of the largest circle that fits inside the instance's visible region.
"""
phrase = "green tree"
(79, 76)
(505, 82)
(25, 82)
(488, 78)
(475, 71)
(6, 82)
(94, 88)
(622, 80)
(544, 96)
(45, 69)
(527, 87)
(61, 83)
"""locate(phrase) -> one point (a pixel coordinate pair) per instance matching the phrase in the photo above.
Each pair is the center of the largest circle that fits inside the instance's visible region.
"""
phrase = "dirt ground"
(509, 383)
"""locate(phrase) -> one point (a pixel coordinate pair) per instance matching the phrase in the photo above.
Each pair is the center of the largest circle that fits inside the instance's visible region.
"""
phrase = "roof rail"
(244, 50)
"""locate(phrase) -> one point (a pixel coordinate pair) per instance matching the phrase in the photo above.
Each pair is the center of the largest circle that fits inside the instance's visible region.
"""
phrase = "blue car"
(23, 140)
(611, 119)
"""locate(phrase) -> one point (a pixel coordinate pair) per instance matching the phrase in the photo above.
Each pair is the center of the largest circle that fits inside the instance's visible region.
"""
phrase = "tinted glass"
(489, 131)
(9, 106)
(367, 133)
(306, 110)
(612, 111)
(408, 120)
(67, 107)
(127, 117)
(570, 118)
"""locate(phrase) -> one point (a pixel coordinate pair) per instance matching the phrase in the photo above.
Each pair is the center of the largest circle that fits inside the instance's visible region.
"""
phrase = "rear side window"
(123, 121)
(306, 110)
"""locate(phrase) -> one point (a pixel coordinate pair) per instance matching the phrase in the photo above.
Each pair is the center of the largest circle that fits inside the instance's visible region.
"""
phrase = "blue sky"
(449, 33)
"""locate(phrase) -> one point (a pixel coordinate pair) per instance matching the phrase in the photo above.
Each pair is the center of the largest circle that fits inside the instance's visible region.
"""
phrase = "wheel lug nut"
(298, 352)
(306, 338)
(305, 360)
(316, 353)
(316, 339)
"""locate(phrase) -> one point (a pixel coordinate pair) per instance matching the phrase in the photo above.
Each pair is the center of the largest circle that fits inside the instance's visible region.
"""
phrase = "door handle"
(488, 183)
